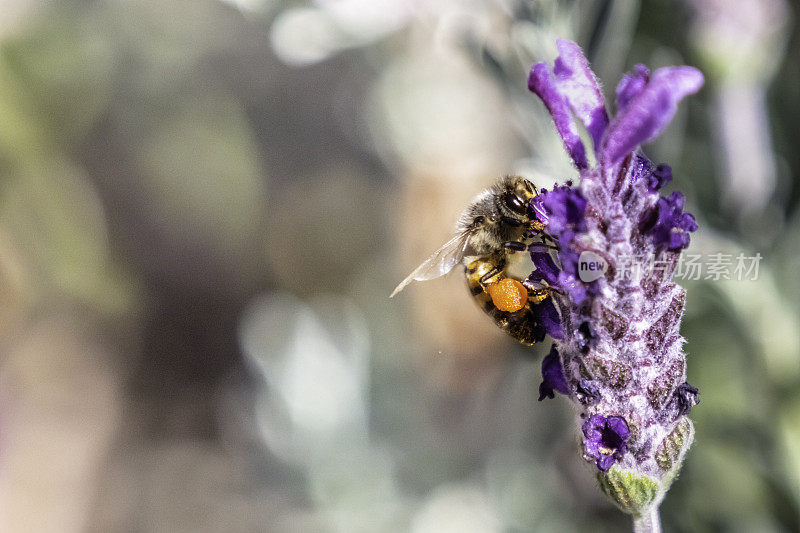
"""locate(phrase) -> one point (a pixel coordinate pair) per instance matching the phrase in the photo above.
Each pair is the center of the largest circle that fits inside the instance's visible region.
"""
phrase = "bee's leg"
(536, 225)
(538, 295)
(543, 236)
(493, 272)
(515, 246)
(533, 287)
(544, 245)
(484, 280)
(537, 230)
(511, 221)
(546, 237)
(540, 292)
(558, 291)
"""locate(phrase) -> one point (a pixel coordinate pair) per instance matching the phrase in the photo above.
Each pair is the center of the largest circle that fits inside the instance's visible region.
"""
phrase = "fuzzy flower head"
(619, 355)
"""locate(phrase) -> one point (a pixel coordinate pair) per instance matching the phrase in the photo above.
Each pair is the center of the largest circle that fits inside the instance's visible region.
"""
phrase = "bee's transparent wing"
(440, 262)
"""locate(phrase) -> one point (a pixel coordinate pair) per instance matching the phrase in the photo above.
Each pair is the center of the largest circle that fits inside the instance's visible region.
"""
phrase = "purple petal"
(548, 316)
(649, 112)
(608, 433)
(565, 207)
(538, 208)
(618, 425)
(568, 256)
(660, 177)
(668, 224)
(577, 83)
(631, 85)
(546, 269)
(593, 428)
(591, 448)
(542, 84)
(563, 210)
(678, 241)
(605, 462)
(575, 289)
(677, 200)
(688, 222)
(553, 379)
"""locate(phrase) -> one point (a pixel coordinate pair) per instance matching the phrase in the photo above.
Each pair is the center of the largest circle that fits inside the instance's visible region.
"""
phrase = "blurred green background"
(205, 204)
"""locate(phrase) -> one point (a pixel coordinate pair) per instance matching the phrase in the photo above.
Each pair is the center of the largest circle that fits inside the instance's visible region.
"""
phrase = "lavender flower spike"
(620, 355)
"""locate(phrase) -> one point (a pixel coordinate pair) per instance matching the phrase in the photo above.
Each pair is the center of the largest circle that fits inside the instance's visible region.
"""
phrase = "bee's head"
(515, 194)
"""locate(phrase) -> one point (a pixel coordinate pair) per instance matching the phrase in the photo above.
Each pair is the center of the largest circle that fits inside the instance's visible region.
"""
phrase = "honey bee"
(498, 223)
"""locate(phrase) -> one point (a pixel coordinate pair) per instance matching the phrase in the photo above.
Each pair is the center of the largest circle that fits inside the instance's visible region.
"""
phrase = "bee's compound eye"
(514, 203)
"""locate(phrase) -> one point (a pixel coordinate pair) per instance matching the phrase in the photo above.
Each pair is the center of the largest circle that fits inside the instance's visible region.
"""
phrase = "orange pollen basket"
(508, 294)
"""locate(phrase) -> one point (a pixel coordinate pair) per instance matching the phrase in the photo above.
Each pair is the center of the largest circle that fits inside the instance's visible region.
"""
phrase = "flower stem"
(648, 522)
